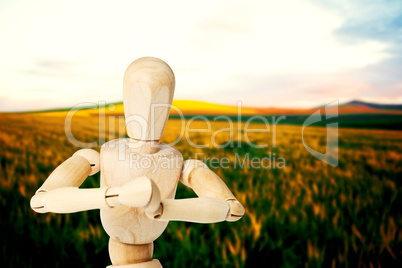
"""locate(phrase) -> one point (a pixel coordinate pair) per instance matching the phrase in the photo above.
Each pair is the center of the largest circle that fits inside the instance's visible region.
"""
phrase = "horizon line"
(76, 107)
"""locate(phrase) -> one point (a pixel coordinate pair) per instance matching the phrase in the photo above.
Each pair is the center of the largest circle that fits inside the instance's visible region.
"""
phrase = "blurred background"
(287, 58)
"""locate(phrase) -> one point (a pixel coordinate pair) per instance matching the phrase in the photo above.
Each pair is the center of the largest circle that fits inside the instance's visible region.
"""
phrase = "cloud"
(365, 21)
(51, 67)
(379, 20)
(294, 90)
(281, 53)
(13, 104)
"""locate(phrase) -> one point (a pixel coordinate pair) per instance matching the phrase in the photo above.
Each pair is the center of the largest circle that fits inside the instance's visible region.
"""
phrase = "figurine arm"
(141, 192)
(206, 183)
(71, 173)
(136, 193)
(60, 192)
(201, 210)
(215, 203)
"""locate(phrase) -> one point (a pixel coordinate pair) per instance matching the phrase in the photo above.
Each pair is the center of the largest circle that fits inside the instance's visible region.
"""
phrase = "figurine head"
(148, 88)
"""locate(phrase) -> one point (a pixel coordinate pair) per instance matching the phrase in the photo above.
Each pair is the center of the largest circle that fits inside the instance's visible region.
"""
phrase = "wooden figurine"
(136, 199)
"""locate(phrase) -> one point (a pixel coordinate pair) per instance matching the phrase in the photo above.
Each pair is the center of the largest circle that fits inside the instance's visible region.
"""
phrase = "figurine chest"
(119, 165)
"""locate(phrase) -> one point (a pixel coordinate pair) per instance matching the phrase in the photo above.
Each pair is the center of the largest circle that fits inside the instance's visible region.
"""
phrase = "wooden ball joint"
(136, 200)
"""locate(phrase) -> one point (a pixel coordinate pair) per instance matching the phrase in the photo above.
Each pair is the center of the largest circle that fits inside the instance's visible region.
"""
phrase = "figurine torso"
(120, 164)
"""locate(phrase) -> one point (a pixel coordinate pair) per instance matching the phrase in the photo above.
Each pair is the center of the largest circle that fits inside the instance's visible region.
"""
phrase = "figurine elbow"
(92, 157)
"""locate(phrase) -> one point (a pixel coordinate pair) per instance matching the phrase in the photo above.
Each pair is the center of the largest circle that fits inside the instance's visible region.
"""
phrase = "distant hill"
(393, 107)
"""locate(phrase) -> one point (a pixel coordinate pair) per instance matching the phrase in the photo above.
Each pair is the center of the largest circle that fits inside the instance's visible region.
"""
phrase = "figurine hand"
(236, 210)
(136, 193)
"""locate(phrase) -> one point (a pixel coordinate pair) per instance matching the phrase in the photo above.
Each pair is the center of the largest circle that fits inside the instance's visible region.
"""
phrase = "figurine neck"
(143, 147)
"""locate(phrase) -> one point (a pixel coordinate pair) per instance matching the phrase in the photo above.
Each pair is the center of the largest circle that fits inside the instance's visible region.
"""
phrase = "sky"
(264, 53)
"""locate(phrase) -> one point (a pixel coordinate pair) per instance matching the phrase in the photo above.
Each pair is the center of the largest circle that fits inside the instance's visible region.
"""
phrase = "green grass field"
(307, 214)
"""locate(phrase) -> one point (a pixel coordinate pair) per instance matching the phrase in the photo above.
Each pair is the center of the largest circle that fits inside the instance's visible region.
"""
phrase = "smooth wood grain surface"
(120, 165)
(124, 254)
(69, 200)
(148, 264)
(200, 210)
(206, 183)
(92, 157)
(140, 192)
(71, 173)
(188, 166)
(136, 193)
(148, 88)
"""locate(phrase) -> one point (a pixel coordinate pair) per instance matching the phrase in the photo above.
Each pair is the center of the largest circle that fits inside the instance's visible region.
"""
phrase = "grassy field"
(358, 120)
(307, 214)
